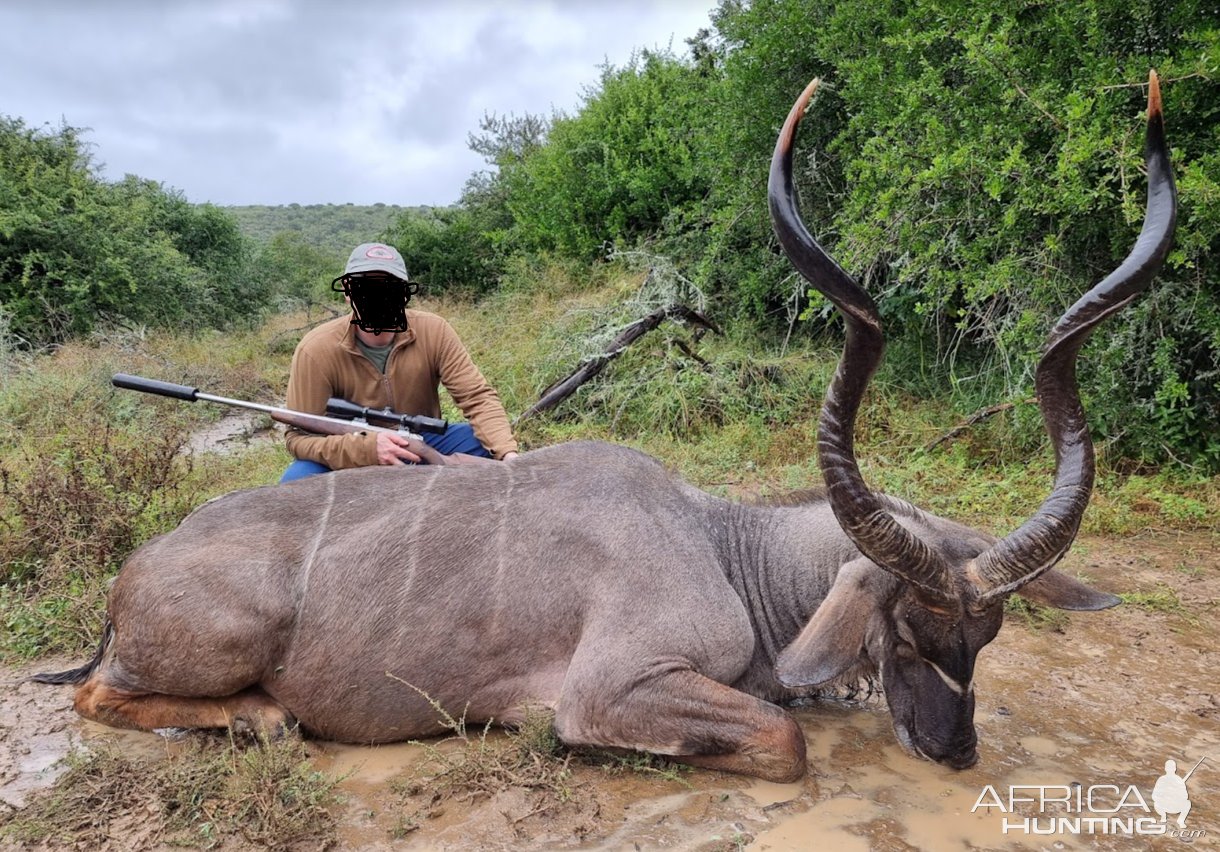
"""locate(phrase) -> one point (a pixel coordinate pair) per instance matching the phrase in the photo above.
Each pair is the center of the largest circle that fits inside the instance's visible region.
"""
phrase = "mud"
(233, 432)
(1104, 700)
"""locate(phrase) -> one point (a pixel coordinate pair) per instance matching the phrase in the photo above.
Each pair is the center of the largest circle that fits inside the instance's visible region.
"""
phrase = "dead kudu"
(583, 577)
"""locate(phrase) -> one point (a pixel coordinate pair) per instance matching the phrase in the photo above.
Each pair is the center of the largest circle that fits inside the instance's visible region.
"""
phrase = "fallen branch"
(562, 389)
(975, 418)
(275, 338)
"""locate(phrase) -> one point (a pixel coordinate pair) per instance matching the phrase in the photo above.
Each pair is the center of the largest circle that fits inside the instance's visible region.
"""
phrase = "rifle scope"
(385, 417)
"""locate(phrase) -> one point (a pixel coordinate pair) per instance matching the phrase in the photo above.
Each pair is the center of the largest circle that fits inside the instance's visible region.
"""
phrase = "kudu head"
(938, 597)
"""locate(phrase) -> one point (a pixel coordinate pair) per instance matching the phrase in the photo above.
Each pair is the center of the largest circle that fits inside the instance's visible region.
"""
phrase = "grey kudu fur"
(585, 578)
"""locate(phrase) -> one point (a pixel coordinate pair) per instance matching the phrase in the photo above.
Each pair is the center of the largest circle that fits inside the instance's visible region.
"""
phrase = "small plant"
(465, 767)
(1036, 616)
(71, 508)
(1163, 600)
(1189, 569)
(266, 793)
(638, 762)
(530, 756)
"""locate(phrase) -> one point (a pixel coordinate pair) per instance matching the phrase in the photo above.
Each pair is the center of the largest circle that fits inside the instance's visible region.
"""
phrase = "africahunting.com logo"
(1098, 809)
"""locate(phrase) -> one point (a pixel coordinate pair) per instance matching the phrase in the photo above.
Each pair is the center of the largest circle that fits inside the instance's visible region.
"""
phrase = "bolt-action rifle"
(351, 419)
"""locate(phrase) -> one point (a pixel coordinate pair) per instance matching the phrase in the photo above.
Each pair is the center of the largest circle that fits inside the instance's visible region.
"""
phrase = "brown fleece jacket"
(327, 363)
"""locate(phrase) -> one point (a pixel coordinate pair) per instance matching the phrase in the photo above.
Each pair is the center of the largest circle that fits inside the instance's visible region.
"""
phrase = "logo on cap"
(380, 252)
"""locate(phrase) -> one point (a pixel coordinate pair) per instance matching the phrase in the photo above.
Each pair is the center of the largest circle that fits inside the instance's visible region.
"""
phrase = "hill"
(335, 228)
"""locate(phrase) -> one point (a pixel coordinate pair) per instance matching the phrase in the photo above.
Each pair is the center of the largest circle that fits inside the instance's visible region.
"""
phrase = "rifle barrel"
(1192, 771)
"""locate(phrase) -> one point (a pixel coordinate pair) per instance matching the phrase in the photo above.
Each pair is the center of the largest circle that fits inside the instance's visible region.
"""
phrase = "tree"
(76, 250)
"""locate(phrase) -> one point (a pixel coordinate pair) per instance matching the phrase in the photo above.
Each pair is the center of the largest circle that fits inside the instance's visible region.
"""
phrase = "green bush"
(445, 249)
(76, 251)
(297, 271)
(619, 168)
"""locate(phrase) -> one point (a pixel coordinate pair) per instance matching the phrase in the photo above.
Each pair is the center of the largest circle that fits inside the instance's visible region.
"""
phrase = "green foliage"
(618, 169)
(1164, 599)
(70, 511)
(446, 249)
(76, 251)
(977, 166)
(301, 249)
(88, 473)
(1035, 616)
(297, 270)
(760, 56)
(994, 159)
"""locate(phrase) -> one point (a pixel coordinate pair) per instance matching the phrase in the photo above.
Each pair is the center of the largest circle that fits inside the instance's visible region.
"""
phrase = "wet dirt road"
(1095, 707)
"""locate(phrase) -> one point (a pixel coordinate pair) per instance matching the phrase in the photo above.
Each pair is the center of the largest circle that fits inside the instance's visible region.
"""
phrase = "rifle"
(315, 423)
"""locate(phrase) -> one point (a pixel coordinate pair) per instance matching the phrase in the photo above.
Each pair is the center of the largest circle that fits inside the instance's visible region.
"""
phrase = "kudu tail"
(79, 674)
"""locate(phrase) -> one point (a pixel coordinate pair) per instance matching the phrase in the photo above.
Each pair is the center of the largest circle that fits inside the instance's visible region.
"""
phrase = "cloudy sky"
(276, 101)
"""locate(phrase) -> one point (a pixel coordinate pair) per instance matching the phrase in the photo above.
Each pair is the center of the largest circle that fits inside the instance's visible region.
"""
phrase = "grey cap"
(376, 257)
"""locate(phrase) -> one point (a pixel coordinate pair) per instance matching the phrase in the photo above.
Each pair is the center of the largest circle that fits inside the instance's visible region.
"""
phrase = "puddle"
(368, 765)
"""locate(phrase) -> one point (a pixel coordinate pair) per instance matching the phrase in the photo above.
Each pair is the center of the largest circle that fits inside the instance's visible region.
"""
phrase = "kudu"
(585, 578)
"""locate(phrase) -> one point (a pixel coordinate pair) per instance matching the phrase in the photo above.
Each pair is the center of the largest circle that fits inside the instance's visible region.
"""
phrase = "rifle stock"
(320, 425)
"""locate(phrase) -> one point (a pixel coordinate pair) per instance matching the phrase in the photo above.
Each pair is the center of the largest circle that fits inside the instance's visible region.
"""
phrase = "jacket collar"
(347, 337)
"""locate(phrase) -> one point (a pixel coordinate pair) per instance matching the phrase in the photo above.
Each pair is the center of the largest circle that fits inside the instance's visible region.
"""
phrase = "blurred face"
(378, 299)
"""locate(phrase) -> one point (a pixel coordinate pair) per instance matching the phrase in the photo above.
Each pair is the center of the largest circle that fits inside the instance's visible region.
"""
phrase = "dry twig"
(972, 419)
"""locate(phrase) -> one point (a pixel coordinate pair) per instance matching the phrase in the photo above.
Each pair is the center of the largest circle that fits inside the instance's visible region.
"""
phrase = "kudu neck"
(782, 561)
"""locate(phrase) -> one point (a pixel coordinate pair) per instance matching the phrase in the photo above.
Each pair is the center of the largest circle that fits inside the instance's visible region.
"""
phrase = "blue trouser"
(458, 438)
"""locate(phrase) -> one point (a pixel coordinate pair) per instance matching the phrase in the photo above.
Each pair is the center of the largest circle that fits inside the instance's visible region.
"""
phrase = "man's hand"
(511, 454)
(392, 449)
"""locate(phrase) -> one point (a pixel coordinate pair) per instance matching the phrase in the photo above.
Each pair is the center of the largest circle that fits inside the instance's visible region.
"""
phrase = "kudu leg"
(249, 710)
(690, 718)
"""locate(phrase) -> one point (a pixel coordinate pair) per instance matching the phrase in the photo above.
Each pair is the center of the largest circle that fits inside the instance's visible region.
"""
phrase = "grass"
(1035, 616)
(1162, 599)
(468, 766)
(265, 794)
(88, 473)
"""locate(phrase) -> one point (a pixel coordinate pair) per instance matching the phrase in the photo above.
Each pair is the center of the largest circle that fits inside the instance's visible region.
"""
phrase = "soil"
(1103, 699)
(233, 432)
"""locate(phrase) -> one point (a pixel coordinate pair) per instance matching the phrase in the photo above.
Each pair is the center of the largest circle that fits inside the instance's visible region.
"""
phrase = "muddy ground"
(1104, 699)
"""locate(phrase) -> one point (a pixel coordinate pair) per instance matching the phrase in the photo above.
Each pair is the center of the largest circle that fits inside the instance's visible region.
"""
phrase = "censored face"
(378, 299)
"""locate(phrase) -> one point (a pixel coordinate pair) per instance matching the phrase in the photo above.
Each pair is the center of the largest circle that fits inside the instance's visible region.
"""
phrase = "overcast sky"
(276, 101)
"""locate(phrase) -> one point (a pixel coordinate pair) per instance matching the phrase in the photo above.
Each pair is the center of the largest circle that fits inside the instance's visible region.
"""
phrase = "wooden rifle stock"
(320, 425)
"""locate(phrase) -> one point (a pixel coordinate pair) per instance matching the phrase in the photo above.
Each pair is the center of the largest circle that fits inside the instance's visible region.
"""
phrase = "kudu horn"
(871, 528)
(1042, 541)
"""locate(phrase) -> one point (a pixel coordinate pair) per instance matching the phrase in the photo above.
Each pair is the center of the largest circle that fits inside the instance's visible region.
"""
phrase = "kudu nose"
(963, 760)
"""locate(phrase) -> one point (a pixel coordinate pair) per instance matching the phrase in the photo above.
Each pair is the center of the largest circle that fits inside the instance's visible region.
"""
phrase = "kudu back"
(586, 579)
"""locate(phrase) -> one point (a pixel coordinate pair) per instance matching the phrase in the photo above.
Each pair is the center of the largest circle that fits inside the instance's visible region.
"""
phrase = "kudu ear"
(833, 640)
(1057, 589)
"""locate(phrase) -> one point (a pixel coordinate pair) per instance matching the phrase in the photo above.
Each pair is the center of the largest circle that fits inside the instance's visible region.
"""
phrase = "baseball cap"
(376, 257)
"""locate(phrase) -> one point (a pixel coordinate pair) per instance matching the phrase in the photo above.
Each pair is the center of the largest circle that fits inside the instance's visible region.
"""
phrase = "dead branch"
(562, 389)
(275, 338)
(975, 418)
(688, 352)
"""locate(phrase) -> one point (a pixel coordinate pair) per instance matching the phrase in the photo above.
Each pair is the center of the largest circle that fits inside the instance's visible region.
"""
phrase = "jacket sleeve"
(309, 388)
(478, 400)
